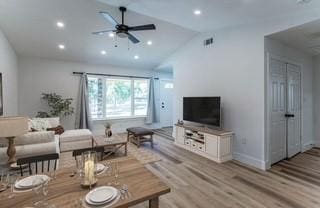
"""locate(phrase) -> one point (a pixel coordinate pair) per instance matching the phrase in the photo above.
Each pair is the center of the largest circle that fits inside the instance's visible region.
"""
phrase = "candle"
(89, 169)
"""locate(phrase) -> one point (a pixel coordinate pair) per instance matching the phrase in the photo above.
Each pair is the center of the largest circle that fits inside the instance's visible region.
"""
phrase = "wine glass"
(79, 165)
(115, 169)
(4, 183)
(11, 180)
(37, 183)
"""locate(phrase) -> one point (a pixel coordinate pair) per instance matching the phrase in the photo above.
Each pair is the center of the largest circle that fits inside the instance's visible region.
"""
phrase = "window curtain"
(83, 116)
(151, 111)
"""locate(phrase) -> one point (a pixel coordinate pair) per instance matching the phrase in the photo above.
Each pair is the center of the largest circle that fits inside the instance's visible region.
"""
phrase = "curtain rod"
(113, 75)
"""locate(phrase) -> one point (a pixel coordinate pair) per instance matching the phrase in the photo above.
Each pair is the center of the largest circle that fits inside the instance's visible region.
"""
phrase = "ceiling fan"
(121, 29)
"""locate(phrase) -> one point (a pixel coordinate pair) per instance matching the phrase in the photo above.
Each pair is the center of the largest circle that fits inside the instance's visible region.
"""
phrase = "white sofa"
(31, 144)
(46, 142)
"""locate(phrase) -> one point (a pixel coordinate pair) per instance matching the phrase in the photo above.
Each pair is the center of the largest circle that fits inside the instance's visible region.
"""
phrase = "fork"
(126, 190)
(123, 194)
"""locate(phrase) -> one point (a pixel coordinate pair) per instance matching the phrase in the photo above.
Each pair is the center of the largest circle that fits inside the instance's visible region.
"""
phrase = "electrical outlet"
(244, 140)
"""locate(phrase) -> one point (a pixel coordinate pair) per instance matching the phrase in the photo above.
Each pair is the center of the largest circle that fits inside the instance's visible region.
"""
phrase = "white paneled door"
(294, 109)
(166, 103)
(285, 107)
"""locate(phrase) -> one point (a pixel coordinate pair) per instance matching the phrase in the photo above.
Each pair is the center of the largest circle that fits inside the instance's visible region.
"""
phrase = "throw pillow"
(57, 130)
(40, 124)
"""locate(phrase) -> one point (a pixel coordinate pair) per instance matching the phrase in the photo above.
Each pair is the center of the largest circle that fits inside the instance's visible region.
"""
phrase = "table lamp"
(11, 127)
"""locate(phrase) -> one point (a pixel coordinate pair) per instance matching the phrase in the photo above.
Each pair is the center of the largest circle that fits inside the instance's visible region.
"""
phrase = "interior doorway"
(166, 102)
(284, 95)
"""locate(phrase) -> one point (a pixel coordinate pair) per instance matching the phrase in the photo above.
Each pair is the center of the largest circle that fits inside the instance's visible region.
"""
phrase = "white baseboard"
(249, 160)
(317, 144)
(308, 145)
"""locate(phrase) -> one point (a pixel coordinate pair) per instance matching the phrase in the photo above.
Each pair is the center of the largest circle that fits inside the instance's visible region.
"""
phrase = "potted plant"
(108, 130)
(59, 107)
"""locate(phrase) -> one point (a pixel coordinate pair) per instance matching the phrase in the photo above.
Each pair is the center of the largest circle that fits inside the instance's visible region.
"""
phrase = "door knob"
(289, 115)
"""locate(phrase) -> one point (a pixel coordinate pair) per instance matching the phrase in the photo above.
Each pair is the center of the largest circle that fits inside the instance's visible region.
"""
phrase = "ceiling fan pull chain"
(116, 42)
(128, 45)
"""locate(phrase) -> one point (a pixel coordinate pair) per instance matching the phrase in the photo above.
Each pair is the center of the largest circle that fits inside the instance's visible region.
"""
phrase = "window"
(117, 97)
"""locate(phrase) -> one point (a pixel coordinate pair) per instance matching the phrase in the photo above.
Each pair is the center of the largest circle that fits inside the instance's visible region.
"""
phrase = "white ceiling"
(30, 28)
(305, 37)
(215, 13)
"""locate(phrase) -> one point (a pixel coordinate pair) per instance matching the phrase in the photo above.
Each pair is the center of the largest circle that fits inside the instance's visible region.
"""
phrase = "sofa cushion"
(40, 124)
(37, 137)
(76, 135)
(53, 121)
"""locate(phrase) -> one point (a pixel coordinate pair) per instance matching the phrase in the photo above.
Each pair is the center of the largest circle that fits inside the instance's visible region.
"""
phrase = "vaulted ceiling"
(30, 26)
(215, 13)
(305, 37)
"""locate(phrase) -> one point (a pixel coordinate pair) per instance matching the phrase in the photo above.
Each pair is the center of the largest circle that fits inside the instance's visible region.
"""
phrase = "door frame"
(160, 80)
(267, 143)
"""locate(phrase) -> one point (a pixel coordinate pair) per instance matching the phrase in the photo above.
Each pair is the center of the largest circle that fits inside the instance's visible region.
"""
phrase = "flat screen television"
(204, 110)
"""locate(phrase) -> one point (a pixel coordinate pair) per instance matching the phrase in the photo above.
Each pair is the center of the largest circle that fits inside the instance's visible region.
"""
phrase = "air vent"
(208, 42)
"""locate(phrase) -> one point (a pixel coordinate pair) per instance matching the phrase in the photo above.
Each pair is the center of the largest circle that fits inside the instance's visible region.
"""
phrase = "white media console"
(213, 144)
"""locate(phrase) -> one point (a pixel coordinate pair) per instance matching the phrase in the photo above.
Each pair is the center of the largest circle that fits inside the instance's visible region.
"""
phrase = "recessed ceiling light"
(60, 24)
(149, 42)
(136, 57)
(197, 12)
(111, 35)
(61, 46)
(103, 52)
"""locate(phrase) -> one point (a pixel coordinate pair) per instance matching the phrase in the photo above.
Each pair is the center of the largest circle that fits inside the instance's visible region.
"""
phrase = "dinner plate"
(108, 204)
(101, 195)
(28, 181)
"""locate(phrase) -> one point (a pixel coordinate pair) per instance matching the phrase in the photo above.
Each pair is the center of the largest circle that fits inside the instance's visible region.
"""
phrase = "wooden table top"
(114, 140)
(65, 191)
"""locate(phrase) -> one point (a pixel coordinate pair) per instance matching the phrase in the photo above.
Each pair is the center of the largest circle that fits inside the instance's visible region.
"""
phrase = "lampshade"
(13, 126)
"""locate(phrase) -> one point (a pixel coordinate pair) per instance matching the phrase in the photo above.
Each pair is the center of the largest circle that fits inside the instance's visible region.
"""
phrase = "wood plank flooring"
(197, 182)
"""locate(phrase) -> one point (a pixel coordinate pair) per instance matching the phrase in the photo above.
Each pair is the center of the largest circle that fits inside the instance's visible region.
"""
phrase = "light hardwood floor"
(200, 183)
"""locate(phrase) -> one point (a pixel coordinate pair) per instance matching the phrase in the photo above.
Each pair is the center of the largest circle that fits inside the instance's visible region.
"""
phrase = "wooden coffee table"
(115, 142)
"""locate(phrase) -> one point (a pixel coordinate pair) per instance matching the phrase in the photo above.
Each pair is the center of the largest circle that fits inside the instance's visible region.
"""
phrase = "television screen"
(204, 110)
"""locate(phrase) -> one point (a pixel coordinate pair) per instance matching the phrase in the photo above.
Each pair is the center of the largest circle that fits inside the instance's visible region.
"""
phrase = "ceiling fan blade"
(133, 39)
(142, 27)
(103, 32)
(108, 17)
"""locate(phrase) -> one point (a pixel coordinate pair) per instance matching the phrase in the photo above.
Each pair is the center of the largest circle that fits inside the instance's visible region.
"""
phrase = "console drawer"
(188, 142)
(201, 147)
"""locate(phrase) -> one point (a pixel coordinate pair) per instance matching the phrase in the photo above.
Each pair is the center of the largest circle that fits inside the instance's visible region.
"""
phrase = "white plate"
(28, 181)
(106, 205)
(101, 195)
(100, 167)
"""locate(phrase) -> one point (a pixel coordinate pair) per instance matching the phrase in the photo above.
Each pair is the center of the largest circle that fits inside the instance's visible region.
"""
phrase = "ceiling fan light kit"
(121, 29)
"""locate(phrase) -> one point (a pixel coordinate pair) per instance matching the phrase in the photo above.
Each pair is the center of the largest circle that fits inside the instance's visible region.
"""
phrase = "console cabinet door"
(211, 145)
(180, 135)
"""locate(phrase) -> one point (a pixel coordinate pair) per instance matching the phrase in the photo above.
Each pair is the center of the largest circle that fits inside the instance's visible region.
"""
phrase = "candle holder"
(88, 176)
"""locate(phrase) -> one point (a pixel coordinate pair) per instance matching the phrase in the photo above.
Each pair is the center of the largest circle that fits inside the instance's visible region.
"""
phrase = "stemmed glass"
(37, 188)
(11, 180)
(79, 165)
(40, 186)
(115, 169)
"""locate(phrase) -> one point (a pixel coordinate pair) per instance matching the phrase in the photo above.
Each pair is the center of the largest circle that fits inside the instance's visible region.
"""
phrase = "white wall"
(279, 49)
(316, 99)
(9, 70)
(233, 69)
(38, 75)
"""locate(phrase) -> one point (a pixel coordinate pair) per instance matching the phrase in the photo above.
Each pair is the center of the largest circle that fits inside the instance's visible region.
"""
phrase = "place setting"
(101, 196)
(30, 182)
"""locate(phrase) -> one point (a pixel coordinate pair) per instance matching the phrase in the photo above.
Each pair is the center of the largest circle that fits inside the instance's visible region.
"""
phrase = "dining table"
(65, 190)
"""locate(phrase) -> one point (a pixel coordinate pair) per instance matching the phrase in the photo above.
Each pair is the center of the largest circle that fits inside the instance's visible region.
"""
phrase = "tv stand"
(211, 143)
